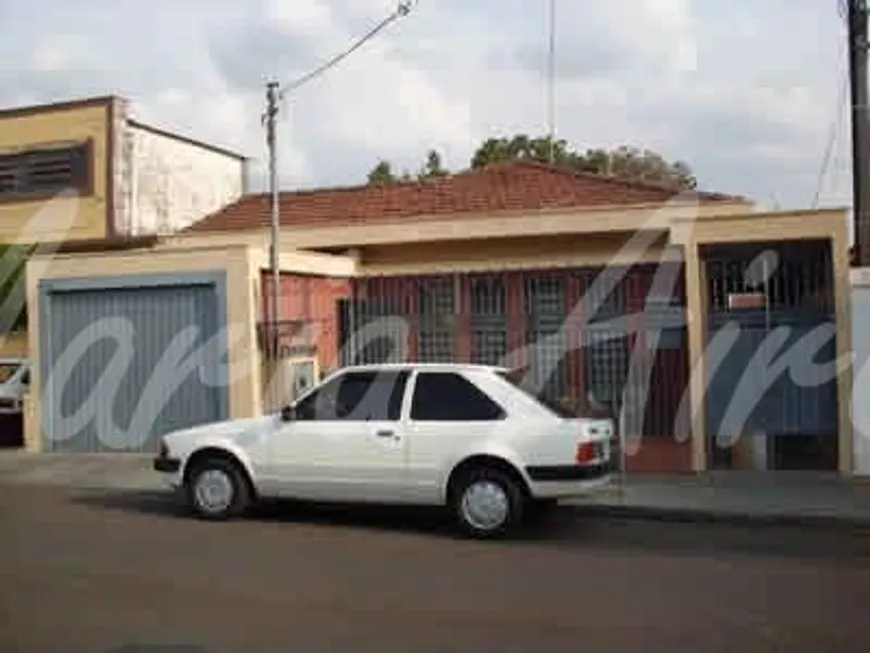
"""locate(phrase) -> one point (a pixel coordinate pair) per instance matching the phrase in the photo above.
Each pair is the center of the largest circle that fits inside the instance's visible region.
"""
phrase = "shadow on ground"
(567, 526)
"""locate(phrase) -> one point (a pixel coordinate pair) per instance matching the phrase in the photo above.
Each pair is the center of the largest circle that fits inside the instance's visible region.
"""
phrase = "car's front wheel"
(217, 489)
(487, 503)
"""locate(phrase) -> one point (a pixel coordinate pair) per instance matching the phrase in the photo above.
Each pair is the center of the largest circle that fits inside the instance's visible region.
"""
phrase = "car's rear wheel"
(217, 489)
(487, 503)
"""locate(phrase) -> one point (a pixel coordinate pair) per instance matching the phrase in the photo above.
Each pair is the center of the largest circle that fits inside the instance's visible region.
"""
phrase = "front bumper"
(167, 465)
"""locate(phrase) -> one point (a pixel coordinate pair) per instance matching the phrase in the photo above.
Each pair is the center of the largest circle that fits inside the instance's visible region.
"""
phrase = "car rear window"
(515, 378)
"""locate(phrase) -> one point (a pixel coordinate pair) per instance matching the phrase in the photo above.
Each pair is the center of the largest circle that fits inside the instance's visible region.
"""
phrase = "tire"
(487, 504)
(217, 490)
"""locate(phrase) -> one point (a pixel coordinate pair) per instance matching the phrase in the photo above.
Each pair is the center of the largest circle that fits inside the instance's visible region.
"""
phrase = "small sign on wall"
(744, 300)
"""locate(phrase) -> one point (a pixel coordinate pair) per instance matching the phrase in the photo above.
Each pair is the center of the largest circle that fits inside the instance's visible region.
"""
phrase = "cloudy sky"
(747, 92)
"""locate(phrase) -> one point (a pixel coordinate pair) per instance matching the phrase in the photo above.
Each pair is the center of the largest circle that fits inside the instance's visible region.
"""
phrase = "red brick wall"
(311, 299)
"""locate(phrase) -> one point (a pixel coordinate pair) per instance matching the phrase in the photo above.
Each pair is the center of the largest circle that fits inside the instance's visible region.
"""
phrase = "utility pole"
(858, 84)
(274, 348)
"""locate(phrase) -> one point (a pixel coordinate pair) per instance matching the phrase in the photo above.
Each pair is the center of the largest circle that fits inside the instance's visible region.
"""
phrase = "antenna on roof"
(551, 83)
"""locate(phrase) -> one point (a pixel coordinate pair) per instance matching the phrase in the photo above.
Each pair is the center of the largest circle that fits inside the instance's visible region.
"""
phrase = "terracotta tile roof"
(517, 185)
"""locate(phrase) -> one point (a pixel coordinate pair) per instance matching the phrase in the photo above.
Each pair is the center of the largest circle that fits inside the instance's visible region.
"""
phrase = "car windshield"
(560, 408)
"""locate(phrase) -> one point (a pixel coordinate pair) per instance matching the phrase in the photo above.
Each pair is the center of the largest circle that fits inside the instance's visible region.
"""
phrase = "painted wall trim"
(127, 281)
(66, 105)
(217, 149)
(217, 279)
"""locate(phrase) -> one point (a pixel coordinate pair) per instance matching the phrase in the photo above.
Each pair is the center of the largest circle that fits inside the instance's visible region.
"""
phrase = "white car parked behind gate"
(467, 437)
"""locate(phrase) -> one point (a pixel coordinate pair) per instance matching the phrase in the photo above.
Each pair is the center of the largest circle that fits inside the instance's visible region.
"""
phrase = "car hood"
(237, 430)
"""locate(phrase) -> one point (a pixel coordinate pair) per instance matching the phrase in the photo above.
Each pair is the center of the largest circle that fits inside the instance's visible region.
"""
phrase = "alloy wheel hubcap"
(485, 505)
(213, 491)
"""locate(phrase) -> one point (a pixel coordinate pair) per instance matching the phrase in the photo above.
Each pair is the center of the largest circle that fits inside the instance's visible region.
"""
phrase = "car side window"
(357, 396)
(450, 397)
(377, 396)
(319, 404)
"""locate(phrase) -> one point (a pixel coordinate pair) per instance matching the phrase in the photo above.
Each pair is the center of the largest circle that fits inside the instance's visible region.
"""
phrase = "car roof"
(431, 367)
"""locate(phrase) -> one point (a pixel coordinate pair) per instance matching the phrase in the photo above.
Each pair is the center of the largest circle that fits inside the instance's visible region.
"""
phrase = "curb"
(708, 516)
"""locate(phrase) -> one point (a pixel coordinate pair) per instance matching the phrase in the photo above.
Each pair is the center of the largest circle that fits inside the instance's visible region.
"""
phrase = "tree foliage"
(624, 162)
(13, 309)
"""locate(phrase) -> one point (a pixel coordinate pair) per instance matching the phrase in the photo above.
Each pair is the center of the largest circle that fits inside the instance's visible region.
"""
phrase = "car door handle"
(384, 433)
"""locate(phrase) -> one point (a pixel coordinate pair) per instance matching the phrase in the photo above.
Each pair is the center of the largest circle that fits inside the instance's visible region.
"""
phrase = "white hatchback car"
(468, 437)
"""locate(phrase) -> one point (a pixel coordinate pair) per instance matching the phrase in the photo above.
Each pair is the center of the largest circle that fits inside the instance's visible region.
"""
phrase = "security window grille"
(546, 311)
(437, 313)
(488, 321)
(604, 295)
(545, 296)
(435, 347)
(489, 347)
(44, 171)
(368, 334)
(665, 320)
(607, 358)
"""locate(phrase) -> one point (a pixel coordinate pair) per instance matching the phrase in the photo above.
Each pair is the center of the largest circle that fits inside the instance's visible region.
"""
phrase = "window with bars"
(546, 310)
(605, 294)
(488, 321)
(42, 171)
(607, 358)
(665, 321)
(437, 312)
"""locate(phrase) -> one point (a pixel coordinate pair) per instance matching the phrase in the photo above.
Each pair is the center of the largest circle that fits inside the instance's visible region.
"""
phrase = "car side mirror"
(288, 413)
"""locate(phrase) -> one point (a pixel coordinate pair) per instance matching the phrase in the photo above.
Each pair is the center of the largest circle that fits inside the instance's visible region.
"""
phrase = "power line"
(274, 95)
(834, 132)
(403, 9)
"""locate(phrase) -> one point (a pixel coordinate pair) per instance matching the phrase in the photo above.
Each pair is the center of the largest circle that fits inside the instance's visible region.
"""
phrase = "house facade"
(85, 174)
(667, 309)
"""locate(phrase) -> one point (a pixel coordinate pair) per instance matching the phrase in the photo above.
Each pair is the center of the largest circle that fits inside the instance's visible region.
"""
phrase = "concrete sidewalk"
(782, 497)
(798, 497)
(110, 471)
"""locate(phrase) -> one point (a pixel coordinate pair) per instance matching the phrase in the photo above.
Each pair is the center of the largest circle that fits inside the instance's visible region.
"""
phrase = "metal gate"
(763, 301)
(125, 360)
(527, 318)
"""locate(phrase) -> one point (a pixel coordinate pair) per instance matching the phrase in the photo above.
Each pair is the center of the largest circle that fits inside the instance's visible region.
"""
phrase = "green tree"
(624, 162)
(382, 173)
(433, 167)
(13, 291)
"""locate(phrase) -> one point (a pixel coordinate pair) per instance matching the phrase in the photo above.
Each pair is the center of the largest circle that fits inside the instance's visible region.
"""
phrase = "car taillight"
(586, 452)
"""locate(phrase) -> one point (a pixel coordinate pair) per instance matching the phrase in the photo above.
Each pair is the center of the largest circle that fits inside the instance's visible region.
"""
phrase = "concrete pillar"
(696, 304)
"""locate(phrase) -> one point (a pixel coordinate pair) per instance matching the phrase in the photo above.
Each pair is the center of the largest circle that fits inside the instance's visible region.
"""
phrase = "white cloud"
(745, 96)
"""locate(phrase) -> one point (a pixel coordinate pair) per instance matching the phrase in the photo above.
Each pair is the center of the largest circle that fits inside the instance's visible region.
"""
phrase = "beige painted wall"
(514, 253)
(14, 344)
(572, 241)
(245, 393)
(85, 217)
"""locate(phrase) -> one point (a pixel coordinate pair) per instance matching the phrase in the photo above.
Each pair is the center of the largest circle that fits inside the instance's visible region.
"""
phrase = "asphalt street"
(125, 573)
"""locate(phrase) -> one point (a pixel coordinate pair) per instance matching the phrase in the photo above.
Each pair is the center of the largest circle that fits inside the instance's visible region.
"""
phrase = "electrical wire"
(403, 9)
(832, 137)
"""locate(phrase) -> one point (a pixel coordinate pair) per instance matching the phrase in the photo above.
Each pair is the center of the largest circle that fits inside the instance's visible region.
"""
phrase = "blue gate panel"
(782, 405)
(152, 361)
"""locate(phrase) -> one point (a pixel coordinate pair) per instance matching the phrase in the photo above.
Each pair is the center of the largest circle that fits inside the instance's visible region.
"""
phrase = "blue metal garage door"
(126, 362)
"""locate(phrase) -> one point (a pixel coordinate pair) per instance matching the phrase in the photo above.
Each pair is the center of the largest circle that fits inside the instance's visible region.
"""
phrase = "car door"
(448, 414)
(346, 441)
